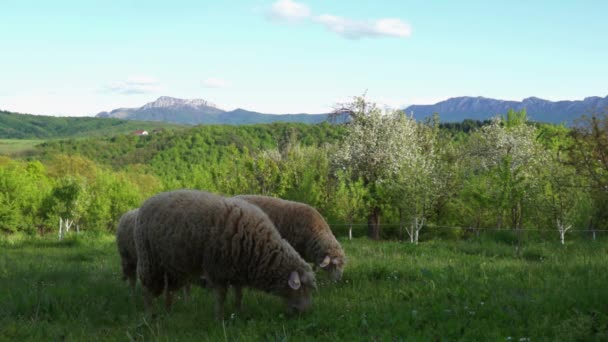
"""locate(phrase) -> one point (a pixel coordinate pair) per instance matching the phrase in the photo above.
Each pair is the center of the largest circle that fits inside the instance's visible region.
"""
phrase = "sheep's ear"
(325, 262)
(294, 280)
(335, 261)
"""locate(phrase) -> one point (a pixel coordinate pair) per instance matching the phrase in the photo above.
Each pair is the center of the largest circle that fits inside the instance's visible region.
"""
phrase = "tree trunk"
(401, 225)
(60, 229)
(68, 224)
(350, 230)
(373, 224)
(562, 230)
(499, 222)
(418, 224)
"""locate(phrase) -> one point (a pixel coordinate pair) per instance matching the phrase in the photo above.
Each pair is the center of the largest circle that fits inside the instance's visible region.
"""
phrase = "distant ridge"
(198, 111)
(457, 109)
(28, 126)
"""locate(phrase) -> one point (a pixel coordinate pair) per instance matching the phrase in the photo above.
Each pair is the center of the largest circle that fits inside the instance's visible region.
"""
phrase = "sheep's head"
(299, 290)
(334, 265)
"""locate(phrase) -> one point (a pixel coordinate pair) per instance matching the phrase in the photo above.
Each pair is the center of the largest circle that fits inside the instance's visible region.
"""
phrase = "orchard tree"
(508, 152)
(590, 149)
(66, 202)
(348, 199)
(565, 196)
(374, 150)
(589, 154)
(420, 181)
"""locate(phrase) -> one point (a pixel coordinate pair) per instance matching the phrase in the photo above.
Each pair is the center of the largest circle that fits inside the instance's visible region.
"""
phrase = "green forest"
(382, 174)
(27, 126)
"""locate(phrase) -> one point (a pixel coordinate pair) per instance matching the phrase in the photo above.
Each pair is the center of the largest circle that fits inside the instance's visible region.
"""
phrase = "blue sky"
(78, 58)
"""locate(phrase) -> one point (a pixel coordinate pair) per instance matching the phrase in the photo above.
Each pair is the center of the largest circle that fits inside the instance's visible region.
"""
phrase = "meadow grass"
(478, 290)
(11, 147)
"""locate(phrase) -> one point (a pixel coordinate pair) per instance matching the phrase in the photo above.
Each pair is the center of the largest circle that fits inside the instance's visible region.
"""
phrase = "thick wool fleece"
(181, 233)
(302, 226)
(126, 245)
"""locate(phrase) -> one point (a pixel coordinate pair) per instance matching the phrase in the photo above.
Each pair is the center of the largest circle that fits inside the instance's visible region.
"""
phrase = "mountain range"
(197, 111)
(480, 108)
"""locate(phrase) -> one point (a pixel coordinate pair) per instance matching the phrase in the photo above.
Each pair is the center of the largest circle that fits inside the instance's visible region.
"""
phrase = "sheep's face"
(334, 266)
(299, 292)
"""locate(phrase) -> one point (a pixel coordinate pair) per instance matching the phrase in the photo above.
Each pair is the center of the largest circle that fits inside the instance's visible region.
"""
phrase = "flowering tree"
(508, 152)
(374, 150)
(421, 180)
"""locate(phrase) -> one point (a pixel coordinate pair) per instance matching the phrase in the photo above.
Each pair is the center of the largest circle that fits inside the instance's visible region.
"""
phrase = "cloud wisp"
(134, 85)
(291, 12)
(214, 82)
(354, 29)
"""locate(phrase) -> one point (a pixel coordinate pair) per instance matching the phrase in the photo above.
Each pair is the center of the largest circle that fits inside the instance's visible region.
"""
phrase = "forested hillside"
(26, 126)
(384, 173)
(202, 145)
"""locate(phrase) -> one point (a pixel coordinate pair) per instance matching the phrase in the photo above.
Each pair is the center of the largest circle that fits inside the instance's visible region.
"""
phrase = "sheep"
(126, 246)
(306, 230)
(128, 253)
(184, 234)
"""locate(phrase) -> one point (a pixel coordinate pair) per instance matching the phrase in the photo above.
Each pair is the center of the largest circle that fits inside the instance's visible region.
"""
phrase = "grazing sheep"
(185, 234)
(306, 230)
(128, 252)
(126, 246)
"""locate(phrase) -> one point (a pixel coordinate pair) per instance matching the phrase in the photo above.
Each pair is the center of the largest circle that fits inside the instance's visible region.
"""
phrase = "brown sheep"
(306, 230)
(126, 246)
(128, 253)
(185, 234)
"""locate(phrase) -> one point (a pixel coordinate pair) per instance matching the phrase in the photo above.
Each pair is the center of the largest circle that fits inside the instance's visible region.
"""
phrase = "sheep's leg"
(186, 292)
(148, 297)
(220, 298)
(132, 282)
(168, 300)
(168, 294)
(238, 298)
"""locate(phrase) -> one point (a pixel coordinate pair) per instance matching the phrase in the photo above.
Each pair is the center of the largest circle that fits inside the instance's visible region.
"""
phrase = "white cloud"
(134, 85)
(288, 10)
(392, 27)
(214, 82)
(354, 29)
(291, 11)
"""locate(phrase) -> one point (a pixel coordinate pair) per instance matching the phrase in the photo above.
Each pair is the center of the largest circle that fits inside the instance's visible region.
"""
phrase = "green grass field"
(9, 147)
(439, 290)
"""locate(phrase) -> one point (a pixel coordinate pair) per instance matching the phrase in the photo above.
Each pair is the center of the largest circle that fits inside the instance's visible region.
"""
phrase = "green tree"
(66, 203)
(416, 188)
(348, 200)
(110, 195)
(509, 153)
(23, 185)
(589, 154)
(374, 150)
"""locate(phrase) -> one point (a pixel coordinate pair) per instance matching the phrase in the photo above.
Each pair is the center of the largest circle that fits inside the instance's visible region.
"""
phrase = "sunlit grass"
(439, 290)
(17, 146)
